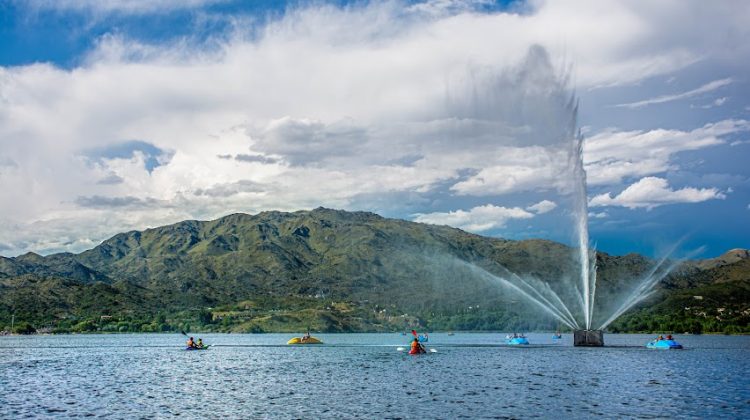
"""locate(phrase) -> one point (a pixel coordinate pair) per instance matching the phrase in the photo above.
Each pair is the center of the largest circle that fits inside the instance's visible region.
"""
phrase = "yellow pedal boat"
(298, 340)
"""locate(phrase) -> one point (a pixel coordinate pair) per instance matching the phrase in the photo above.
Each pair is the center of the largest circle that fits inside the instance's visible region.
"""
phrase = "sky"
(118, 115)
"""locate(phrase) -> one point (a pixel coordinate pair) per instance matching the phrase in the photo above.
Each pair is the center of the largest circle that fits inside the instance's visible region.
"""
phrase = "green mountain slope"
(323, 269)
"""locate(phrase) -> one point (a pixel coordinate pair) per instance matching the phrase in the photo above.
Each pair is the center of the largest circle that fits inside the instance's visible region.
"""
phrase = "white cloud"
(477, 219)
(613, 156)
(324, 105)
(516, 169)
(720, 101)
(600, 215)
(715, 103)
(544, 206)
(652, 192)
(708, 87)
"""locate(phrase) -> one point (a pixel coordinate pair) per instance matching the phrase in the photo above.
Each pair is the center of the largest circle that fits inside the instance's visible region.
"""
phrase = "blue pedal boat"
(516, 341)
(664, 345)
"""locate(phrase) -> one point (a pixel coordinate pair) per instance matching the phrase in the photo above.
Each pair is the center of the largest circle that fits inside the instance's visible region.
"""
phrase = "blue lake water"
(472, 375)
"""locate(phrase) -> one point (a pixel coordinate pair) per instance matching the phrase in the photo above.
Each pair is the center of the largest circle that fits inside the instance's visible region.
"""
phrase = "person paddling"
(417, 347)
(191, 343)
(200, 343)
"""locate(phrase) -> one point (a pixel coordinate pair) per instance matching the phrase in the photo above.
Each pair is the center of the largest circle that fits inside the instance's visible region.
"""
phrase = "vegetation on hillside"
(329, 270)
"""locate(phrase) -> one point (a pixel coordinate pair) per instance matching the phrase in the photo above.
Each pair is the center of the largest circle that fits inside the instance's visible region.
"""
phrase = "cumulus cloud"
(708, 87)
(544, 206)
(600, 215)
(303, 141)
(652, 192)
(516, 169)
(325, 105)
(477, 219)
(613, 156)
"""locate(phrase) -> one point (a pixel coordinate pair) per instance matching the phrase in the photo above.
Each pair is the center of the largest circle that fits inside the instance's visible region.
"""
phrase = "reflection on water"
(253, 376)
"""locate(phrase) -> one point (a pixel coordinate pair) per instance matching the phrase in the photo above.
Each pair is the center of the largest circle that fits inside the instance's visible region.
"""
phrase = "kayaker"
(659, 338)
(416, 347)
(669, 336)
(190, 343)
(200, 343)
(306, 336)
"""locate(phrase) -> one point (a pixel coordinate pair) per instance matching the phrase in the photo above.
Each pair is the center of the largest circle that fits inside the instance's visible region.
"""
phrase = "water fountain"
(539, 293)
(576, 309)
(541, 99)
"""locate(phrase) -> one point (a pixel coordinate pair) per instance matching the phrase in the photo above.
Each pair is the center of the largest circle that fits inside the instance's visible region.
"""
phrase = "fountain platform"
(588, 338)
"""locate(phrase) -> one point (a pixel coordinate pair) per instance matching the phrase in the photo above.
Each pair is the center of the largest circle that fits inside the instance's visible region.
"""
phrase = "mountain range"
(334, 270)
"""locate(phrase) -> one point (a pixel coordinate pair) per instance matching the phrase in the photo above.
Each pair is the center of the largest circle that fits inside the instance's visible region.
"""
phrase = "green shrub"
(24, 328)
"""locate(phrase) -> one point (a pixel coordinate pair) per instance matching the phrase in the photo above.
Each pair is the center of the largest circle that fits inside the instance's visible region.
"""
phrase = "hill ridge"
(306, 260)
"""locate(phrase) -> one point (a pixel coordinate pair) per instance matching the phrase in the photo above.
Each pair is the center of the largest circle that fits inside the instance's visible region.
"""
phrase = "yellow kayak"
(298, 340)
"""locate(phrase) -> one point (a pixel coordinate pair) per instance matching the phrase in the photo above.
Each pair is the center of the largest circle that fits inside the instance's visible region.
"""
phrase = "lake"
(472, 375)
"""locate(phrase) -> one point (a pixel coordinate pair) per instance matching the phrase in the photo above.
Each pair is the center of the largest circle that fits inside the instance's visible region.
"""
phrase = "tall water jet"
(586, 255)
(586, 260)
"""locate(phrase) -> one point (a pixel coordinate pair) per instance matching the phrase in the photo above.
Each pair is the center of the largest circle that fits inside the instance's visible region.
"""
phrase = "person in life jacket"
(200, 343)
(190, 343)
(416, 347)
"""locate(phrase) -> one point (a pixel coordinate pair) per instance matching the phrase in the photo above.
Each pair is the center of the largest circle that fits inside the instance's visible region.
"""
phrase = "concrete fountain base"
(588, 338)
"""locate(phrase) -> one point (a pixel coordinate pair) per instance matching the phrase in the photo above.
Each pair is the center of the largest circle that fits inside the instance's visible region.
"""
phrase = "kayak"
(298, 340)
(517, 341)
(664, 345)
(556, 337)
(414, 353)
(197, 348)
(417, 351)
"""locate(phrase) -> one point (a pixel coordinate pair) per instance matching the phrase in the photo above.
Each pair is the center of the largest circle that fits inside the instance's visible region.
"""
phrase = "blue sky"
(119, 115)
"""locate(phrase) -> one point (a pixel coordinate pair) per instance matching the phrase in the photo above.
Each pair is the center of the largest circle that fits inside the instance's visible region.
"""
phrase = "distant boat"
(516, 339)
(301, 340)
(197, 348)
(664, 345)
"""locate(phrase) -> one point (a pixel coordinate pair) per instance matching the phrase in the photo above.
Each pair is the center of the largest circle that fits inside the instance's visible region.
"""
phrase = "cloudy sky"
(128, 114)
